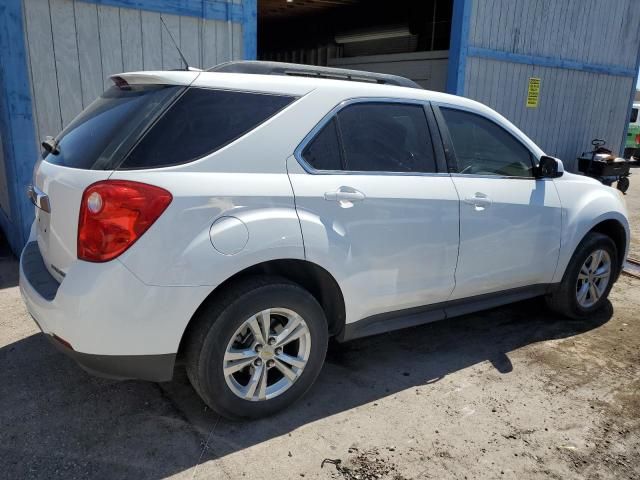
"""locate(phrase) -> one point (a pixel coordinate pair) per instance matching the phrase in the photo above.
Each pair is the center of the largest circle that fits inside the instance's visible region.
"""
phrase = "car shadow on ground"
(57, 421)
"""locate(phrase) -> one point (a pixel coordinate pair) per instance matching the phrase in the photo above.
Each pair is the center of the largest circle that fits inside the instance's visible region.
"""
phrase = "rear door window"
(200, 122)
(100, 135)
(386, 137)
(374, 137)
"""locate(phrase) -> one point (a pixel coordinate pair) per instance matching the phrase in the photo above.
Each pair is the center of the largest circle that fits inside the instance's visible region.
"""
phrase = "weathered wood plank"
(209, 43)
(237, 41)
(90, 58)
(110, 42)
(4, 188)
(43, 67)
(190, 40)
(131, 28)
(151, 40)
(473, 25)
(67, 59)
(170, 56)
(223, 42)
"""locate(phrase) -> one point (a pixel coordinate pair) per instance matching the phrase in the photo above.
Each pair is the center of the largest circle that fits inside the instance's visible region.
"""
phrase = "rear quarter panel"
(178, 251)
(246, 179)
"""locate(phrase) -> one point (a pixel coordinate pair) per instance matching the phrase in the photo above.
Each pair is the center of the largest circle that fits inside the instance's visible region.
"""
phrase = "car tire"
(623, 184)
(572, 298)
(232, 325)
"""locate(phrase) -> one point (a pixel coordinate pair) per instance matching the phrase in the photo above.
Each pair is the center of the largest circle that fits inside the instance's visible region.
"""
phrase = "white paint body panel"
(395, 249)
(103, 309)
(585, 204)
(513, 241)
(57, 232)
(410, 242)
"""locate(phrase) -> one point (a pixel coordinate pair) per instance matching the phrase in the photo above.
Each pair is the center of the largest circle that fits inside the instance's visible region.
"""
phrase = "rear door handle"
(345, 194)
(480, 201)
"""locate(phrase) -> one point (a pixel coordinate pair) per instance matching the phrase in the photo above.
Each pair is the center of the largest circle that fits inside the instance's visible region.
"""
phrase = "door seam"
(295, 205)
(455, 271)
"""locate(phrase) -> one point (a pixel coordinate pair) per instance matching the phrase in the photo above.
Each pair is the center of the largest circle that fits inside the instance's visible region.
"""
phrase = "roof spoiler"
(161, 77)
(297, 70)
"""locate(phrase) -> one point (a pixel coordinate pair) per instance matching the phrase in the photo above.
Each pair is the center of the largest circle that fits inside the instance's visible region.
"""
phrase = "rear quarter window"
(200, 122)
(104, 132)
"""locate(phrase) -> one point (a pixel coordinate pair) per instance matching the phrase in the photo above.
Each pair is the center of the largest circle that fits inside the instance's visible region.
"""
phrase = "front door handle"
(345, 194)
(480, 201)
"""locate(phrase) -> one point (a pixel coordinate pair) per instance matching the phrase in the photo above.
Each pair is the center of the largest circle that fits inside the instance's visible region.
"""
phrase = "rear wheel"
(258, 348)
(588, 279)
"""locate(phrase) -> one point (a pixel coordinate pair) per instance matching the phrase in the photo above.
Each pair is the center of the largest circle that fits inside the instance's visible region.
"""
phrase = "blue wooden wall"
(56, 57)
(585, 53)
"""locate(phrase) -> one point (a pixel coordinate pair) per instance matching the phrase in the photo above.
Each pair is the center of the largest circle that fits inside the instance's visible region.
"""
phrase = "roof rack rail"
(257, 67)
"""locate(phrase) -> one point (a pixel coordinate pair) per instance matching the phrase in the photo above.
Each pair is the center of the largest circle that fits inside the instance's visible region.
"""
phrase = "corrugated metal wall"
(584, 51)
(74, 46)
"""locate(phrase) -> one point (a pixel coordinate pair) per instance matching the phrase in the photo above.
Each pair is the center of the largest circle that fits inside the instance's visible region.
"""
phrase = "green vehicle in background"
(632, 145)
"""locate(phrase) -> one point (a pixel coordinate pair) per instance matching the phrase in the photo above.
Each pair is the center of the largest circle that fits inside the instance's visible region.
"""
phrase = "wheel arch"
(615, 230)
(312, 277)
(613, 226)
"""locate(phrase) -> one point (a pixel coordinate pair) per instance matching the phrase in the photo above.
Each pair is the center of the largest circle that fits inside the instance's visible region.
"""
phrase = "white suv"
(234, 220)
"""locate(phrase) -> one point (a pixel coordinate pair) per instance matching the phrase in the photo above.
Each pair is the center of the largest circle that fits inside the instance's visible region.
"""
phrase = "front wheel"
(257, 349)
(588, 279)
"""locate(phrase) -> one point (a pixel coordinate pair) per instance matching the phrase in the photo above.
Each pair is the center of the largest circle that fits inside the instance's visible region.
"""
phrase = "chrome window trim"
(297, 153)
(503, 177)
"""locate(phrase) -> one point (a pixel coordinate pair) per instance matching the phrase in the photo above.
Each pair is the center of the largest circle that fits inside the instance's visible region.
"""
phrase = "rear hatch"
(88, 150)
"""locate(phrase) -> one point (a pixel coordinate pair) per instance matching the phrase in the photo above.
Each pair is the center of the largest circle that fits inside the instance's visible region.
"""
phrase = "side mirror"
(549, 167)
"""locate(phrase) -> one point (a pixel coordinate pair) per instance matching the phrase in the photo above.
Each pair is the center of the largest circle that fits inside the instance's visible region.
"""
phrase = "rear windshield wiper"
(50, 145)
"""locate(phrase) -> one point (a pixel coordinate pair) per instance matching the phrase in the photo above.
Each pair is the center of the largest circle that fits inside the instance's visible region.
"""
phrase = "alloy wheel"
(267, 354)
(593, 278)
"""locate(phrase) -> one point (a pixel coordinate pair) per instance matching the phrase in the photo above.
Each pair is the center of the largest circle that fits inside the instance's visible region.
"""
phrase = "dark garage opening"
(405, 37)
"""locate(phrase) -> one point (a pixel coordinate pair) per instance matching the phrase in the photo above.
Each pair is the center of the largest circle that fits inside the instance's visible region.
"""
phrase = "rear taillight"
(114, 214)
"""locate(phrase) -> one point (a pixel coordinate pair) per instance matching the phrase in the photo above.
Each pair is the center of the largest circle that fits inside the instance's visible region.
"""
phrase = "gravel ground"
(514, 392)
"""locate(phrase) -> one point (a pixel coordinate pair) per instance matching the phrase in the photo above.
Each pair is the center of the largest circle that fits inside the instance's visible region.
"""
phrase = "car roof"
(300, 70)
(292, 85)
(335, 90)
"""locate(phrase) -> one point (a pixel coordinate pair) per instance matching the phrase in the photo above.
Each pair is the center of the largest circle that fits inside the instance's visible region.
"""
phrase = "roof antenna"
(186, 64)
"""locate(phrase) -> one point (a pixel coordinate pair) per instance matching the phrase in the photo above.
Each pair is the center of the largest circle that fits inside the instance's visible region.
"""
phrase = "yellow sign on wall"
(533, 94)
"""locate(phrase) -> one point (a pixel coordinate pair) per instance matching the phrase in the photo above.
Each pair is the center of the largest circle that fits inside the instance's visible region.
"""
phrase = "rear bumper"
(154, 368)
(115, 325)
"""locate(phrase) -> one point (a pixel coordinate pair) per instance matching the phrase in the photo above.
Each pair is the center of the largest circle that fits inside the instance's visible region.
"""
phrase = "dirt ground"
(514, 392)
(633, 206)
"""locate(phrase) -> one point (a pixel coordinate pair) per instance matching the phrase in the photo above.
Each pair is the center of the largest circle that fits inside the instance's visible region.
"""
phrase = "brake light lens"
(114, 214)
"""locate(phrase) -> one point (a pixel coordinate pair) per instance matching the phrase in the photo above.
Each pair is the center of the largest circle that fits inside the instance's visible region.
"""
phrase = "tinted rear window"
(374, 137)
(201, 122)
(386, 137)
(102, 133)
